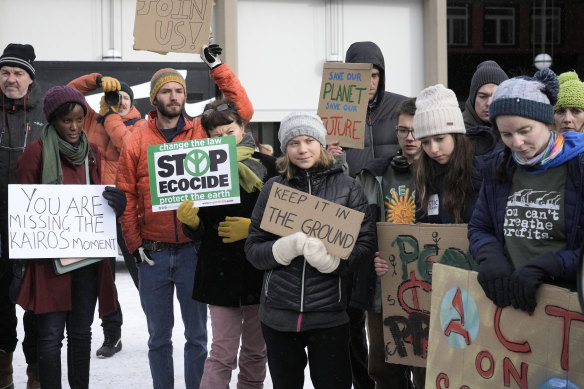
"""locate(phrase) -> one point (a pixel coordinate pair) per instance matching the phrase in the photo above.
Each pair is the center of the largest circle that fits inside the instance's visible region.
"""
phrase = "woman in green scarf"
(224, 278)
(64, 156)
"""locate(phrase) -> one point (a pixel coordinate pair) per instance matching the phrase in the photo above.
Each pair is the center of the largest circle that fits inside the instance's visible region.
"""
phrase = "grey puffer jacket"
(298, 297)
(22, 122)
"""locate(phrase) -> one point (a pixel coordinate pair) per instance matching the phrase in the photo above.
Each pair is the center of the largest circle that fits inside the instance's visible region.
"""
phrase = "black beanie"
(21, 56)
(128, 89)
(488, 72)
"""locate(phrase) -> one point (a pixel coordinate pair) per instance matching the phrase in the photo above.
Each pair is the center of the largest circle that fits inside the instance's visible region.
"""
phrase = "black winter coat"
(298, 294)
(22, 122)
(224, 277)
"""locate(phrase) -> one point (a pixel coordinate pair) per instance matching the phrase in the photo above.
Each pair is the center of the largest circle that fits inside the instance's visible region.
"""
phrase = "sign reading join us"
(179, 26)
(342, 104)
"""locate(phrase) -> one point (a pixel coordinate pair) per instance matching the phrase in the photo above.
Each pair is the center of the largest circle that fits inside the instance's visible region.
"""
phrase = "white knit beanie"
(301, 123)
(437, 112)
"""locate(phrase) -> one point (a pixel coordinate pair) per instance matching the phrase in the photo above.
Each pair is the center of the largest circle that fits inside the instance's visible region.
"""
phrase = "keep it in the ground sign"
(201, 170)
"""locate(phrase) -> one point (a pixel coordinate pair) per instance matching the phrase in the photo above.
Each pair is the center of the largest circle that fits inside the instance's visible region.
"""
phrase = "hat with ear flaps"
(571, 93)
(529, 97)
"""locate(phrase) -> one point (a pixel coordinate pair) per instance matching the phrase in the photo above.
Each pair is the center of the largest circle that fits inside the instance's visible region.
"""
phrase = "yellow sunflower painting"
(400, 207)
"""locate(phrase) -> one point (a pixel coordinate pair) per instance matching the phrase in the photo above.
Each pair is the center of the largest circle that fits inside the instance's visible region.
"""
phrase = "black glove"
(141, 254)
(210, 54)
(116, 198)
(528, 278)
(494, 273)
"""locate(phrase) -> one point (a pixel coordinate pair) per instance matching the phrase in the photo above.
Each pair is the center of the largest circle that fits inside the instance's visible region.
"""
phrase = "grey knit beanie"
(488, 72)
(301, 123)
(437, 113)
(528, 97)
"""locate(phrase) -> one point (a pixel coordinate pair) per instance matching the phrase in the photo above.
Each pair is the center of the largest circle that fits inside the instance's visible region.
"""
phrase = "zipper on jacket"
(267, 283)
(304, 264)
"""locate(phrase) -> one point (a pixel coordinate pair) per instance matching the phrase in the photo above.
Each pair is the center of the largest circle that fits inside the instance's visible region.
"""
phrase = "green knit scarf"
(249, 167)
(53, 145)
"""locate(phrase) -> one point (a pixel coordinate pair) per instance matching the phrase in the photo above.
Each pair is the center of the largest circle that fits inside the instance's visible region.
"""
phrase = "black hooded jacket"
(380, 136)
(22, 122)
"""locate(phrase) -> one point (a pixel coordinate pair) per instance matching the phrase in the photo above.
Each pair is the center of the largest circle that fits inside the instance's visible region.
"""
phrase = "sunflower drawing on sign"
(400, 205)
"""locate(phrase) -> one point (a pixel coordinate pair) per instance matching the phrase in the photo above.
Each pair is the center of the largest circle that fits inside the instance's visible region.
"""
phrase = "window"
(546, 22)
(458, 22)
(499, 27)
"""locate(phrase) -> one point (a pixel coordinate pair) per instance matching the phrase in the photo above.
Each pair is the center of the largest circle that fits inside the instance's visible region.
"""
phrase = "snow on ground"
(129, 368)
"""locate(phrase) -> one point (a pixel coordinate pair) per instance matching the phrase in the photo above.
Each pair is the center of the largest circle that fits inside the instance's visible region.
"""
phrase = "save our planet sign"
(201, 170)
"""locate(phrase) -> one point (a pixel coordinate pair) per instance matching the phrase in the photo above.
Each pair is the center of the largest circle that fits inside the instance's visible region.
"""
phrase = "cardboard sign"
(57, 221)
(475, 344)
(411, 250)
(289, 210)
(201, 170)
(342, 104)
(179, 26)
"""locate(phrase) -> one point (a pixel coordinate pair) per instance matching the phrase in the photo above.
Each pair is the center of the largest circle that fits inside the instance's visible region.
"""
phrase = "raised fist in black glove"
(210, 54)
(526, 279)
(495, 273)
(116, 198)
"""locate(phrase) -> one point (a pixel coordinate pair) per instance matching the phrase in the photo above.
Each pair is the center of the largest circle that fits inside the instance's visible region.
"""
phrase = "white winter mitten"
(316, 254)
(289, 247)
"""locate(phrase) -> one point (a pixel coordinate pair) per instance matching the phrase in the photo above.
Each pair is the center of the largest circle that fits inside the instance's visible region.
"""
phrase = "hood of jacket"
(369, 52)
(482, 139)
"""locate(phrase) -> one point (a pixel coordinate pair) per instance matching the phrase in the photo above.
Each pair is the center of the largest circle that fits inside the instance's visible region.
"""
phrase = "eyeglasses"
(403, 132)
(219, 108)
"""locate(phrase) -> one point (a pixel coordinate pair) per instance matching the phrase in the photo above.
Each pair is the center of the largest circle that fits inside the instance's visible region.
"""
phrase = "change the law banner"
(201, 170)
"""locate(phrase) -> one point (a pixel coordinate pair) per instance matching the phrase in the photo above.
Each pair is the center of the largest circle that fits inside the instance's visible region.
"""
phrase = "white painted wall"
(282, 43)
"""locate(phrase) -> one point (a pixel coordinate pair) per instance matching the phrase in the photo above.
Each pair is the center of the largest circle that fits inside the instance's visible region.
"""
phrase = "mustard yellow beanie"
(163, 76)
(571, 93)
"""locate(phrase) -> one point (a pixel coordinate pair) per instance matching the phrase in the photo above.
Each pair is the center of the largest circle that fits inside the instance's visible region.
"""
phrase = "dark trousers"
(358, 350)
(129, 259)
(328, 357)
(112, 323)
(78, 322)
(8, 320)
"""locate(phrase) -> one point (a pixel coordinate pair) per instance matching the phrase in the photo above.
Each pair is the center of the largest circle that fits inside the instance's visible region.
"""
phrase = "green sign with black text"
(201, 170)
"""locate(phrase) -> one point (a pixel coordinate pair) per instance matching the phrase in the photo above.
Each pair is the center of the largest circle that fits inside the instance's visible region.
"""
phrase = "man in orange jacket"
(167, 258)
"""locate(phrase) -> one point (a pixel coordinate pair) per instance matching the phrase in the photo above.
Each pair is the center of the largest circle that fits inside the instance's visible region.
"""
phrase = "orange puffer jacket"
(109, 136)
(138, 221)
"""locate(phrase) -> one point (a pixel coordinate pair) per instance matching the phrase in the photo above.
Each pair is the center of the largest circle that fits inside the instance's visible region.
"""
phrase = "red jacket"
(138, 221)
(42, 289)
(111, 135)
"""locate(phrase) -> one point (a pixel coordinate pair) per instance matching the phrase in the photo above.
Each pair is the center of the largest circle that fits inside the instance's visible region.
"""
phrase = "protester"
(569, 110)
(303, 300)
(64, 156)
(447, 180)
(22, 121)
(380, 141)
(388, 186)
(482, 85)
(167, 258)
(108, 129)
(539, 173)
(224, 279)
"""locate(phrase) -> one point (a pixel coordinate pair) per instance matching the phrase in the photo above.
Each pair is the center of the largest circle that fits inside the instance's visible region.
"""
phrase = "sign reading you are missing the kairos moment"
(57, 221)
(201, 170)
(289, 210)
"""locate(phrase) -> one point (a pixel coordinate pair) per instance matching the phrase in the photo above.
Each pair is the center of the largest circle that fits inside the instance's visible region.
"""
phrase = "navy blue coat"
(486, 224)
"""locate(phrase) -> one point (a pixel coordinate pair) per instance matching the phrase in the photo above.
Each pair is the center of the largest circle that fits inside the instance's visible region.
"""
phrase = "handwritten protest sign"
(180, 26)
(289, 210)
(342, 105)
(474, 344)
(201, 170)
(56, 221)
(411, 250)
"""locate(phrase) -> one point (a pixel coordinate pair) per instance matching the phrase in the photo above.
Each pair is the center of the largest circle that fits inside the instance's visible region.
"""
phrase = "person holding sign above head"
(303, 301)
(167, 257)
(63, 156)
(224, 279)
(389, 187)
(528, 221)
(108, 129)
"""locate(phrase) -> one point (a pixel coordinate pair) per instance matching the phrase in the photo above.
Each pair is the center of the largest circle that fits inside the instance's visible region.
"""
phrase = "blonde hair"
(287, 168)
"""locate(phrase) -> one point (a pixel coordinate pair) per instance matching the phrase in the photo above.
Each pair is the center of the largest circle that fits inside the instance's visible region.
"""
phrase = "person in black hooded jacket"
(303, 300)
